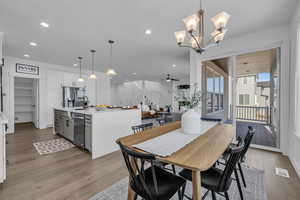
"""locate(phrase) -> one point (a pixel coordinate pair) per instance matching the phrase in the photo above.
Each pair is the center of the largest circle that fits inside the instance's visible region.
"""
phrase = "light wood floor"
(72, 175)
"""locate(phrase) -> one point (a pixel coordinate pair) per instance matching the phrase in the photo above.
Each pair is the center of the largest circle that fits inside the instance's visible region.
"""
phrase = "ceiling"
(222, 63)
(78, 26)
(254, 63)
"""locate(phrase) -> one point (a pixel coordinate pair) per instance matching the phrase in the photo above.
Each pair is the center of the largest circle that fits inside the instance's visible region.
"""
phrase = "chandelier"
(194, 26)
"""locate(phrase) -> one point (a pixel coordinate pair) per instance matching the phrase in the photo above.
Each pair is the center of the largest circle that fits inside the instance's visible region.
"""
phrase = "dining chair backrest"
(147, 126)
(247, 141)
(234, 157)
(211, 119)
(135, 164)
(163, 121)
(142, 127)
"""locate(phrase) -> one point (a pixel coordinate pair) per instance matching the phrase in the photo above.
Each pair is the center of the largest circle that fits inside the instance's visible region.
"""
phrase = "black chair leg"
(213, 194)
(173, 168)
(242, 174)
(238, 184)
(182, 192)
(226, 196)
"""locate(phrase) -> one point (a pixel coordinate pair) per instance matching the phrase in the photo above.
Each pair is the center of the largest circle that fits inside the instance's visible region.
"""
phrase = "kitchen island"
(95, 130)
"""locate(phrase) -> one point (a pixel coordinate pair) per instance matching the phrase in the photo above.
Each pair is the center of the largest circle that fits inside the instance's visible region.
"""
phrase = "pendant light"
(80, 79)
(111, 71)
(93, 75)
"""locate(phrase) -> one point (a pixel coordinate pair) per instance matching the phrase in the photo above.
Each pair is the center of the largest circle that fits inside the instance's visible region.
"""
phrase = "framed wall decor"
(27, 69)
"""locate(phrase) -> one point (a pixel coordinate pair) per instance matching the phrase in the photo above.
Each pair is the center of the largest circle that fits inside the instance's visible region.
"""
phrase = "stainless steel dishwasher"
(88, 132)
(68, 126)
(79, 129)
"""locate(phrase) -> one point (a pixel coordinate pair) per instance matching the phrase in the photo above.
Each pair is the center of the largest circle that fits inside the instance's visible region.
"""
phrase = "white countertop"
(91, 111)
(3, 119)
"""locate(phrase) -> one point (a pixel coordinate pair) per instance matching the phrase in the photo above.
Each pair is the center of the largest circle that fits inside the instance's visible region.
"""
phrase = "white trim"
(256, 146)
(295, 165)
(236, 53)
(275, 45)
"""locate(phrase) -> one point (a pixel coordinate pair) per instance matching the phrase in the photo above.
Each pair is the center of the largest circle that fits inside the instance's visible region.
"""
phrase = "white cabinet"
(2, 149)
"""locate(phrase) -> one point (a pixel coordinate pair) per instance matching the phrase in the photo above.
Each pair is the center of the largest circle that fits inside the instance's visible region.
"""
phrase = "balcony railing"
(252, 113)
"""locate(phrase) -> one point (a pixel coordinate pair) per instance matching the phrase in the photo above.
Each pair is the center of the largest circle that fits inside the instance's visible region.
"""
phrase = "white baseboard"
(296, 166)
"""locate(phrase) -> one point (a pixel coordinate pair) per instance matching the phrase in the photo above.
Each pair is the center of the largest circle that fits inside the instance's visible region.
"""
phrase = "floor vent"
(282, 172)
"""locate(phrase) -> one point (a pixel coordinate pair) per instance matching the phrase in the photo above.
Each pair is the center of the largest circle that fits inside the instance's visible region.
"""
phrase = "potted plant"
(191, 119)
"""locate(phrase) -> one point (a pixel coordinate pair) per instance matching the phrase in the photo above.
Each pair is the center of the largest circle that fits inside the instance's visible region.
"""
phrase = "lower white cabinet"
(2, 152)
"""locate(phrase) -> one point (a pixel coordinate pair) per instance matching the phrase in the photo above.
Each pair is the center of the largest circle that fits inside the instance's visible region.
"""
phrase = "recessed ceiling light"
(26, 55)
(148, 32)
(75, 65)
(173, 65)
(33, 44)
(44, 24)
(134, 73)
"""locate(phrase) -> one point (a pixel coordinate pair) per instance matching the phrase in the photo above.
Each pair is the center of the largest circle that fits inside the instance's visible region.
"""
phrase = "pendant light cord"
(80, 58)
(200, 4)
(110, 61)
(93, 67)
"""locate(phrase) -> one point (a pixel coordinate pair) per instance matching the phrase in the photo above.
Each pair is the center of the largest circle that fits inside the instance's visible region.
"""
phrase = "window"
(245, 80)
(215, 91)
(244, 99)
(241, 99)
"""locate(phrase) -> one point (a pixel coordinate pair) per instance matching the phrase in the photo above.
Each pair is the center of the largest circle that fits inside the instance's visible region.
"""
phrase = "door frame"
(233, 56)
(37, 102)
(37, 107)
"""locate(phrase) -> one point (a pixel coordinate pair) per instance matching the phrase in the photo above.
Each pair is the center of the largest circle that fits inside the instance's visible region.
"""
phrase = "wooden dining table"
(199, 155)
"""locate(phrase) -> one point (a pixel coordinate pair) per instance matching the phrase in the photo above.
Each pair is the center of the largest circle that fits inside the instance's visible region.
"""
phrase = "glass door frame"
(232, 84)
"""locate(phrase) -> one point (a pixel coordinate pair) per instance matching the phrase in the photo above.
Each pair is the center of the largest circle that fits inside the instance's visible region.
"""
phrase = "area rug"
(52, 146)
(255, 189)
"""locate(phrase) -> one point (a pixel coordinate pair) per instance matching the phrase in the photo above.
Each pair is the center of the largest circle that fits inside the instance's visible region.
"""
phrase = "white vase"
(191, 122)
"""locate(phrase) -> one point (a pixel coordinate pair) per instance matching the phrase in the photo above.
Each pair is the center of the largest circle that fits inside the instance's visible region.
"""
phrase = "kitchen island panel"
(107, 127)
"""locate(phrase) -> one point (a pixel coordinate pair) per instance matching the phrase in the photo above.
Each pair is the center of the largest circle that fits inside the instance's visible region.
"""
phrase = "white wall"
(1, 44)
(262, 40)
(51, 79)
(132, 93)
(294, 132)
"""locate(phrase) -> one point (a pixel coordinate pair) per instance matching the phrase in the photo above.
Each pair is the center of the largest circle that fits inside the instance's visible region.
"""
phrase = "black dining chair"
(247, 140)
(152, 183)
(142, 127)
(217, 180)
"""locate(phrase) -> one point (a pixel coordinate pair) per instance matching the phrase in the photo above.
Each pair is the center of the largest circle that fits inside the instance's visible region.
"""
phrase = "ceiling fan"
(169, 79)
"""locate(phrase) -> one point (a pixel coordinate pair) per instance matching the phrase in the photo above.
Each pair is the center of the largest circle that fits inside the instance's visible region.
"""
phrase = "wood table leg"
(131, 193)
(196, 179)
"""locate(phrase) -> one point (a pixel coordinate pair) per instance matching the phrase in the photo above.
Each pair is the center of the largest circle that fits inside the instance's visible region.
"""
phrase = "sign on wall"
(27, 69)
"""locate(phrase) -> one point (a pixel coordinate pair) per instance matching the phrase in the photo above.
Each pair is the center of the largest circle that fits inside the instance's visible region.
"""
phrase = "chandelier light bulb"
(191, 22)
(220, 20)
(93, 76)
(180, 36)
(111, 72)
(80, 79)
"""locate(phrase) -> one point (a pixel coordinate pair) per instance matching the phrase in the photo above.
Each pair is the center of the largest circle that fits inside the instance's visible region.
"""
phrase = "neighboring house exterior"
(252, 93)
